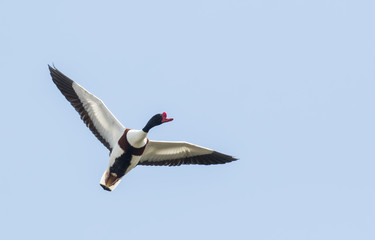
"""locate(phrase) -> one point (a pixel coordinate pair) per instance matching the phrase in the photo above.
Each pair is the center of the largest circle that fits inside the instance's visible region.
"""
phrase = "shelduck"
(129, 147)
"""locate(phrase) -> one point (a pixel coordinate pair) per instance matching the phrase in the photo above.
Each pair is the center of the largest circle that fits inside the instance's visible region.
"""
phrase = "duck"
(130, 147)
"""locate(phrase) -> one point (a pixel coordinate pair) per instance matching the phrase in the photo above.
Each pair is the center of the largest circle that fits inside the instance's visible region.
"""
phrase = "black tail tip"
(105, 187)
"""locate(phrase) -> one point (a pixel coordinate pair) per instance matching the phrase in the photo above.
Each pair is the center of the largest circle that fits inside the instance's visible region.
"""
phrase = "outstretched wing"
(158, 153)
(102, 123)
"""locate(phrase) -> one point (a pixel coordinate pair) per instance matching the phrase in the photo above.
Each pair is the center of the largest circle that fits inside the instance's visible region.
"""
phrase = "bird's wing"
(158, 153)
(102, 123)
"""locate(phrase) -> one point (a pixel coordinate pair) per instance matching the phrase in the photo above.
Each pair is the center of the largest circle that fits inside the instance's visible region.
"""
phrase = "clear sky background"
(287, 86)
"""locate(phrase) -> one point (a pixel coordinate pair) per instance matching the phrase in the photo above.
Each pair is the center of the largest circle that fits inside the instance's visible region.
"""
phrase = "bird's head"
(156, 120)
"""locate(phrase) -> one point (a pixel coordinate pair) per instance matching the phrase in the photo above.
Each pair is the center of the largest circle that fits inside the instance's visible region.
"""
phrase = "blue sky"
(286, 86)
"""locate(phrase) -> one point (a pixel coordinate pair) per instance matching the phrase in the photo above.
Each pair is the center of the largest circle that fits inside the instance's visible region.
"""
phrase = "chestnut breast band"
(125, 145)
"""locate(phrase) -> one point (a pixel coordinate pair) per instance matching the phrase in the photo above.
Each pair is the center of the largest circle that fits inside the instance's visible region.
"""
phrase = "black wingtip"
(58, 77)
(223, 158)
(51, 68)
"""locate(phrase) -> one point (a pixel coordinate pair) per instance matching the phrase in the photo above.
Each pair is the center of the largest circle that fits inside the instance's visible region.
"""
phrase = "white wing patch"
(104, 121)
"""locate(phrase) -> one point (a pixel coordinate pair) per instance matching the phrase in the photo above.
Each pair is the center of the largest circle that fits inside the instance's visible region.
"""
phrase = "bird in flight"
(130, 147)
